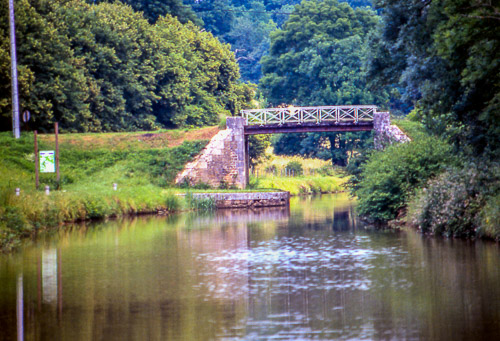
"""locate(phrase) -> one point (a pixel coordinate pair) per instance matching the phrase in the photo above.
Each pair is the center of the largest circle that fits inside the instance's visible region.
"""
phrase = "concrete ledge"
(247, 199)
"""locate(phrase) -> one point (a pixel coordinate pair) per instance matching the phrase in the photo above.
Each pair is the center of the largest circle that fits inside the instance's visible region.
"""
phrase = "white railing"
(298, 115)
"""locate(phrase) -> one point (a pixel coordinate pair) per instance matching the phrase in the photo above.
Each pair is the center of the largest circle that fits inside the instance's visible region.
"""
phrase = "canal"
(313, 272)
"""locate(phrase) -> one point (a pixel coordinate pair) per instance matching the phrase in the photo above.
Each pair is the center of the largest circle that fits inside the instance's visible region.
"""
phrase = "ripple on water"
(292, 265)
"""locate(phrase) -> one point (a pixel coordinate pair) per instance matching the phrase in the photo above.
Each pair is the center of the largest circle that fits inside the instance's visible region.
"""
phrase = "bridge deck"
(309, 119)
(300, 115)
(309, 127)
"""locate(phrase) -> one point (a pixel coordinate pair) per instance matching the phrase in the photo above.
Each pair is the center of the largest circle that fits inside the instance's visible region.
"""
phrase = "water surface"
(313, 272)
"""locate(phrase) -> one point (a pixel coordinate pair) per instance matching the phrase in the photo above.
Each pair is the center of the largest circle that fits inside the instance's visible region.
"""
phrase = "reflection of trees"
(122, 282)
(252, 275)
(435, 289)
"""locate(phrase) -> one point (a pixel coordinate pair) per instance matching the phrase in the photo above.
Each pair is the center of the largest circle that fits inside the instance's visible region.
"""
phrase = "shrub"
(490, 218)
(271, 169)
(390, 177)
(295, 167)
(327, 170)
(451, 204)
(14, 219)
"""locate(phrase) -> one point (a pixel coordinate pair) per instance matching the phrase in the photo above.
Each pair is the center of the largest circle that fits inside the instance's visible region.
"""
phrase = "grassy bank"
(142, 164)
(301, 185)
(310, 176)
(90, 164)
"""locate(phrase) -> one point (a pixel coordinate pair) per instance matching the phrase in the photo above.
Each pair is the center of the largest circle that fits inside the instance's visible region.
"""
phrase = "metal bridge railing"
(298, 115)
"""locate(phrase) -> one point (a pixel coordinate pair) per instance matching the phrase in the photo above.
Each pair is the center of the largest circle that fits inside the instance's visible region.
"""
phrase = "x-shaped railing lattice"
(299, 115)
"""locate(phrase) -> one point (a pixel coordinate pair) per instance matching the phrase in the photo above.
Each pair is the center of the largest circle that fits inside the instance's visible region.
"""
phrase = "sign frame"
(47, 161)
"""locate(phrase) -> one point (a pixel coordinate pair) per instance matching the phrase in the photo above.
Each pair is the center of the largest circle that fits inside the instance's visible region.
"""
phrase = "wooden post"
(37, 178)
(58, 176)
(247, 161)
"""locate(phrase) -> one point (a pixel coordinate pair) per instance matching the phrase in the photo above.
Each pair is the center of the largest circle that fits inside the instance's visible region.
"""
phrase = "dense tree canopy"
(105, 67)
(246, 25)
(446, 56)
(153, 9)
(317, 58)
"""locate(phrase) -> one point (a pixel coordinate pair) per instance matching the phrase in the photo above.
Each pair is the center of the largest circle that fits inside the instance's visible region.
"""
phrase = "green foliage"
(337, 147)
(324, 41)
(13, 219)
(257, 145)
(451, 204)
(246, 25)
(445, 55)
(295, 167)
(490, 218)
(87, 191)
(390, 177)
(317, 58)
(153, 9)
(104, 67)
(199, 203)
(300, 185)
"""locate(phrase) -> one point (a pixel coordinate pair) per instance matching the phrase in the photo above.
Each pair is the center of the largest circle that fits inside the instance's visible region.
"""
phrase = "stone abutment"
(223, 163)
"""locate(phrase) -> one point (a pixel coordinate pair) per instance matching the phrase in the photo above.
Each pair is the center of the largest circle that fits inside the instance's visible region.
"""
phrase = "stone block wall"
(247, 200)
(222, 162)
(385, 132)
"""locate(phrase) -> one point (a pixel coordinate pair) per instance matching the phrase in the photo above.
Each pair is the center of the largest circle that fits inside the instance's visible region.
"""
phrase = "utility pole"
(13, 64)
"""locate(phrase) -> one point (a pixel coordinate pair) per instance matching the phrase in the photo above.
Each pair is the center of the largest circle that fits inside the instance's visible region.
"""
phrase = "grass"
(132, 140)
(144, 171)
(319, 176)
(276, 164)
(414, 130)
(89, 169)
(302, 184)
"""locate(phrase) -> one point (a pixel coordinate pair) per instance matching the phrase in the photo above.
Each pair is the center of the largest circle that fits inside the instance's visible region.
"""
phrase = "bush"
(490, 219)
(390, 177)
(451, 204)
(327, 170)
(14, 219)
(295, 167)
(271, 169)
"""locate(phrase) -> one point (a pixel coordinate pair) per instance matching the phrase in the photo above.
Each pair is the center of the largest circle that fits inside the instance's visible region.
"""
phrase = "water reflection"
(313, 272)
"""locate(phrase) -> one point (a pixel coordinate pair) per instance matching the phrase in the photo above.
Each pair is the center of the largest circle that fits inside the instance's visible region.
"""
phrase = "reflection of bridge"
(309, 119)
(224, 162)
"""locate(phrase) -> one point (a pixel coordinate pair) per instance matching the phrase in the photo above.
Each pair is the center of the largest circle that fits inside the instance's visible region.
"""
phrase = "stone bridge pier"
(224, 161)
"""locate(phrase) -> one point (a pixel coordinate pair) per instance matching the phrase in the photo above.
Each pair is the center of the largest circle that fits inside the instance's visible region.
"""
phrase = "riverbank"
(426, 184)
(140, 164)
(303, 185)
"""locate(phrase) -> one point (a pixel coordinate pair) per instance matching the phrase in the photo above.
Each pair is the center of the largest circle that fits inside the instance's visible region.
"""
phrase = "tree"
(153, 9)
(445, 55)
(317, 58)
(337, 147)
(51, 79)
(106, 68)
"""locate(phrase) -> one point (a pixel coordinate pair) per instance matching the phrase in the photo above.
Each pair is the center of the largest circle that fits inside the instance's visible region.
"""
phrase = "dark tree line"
(445, 55)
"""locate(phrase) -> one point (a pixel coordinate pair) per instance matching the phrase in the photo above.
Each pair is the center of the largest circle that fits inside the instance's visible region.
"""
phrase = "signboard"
(47, 161)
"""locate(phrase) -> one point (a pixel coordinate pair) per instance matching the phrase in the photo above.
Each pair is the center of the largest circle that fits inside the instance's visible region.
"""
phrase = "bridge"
(309, 119)
(224, 162)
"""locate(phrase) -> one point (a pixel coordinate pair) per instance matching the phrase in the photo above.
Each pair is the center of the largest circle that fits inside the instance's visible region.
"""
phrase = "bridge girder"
(326, 126)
